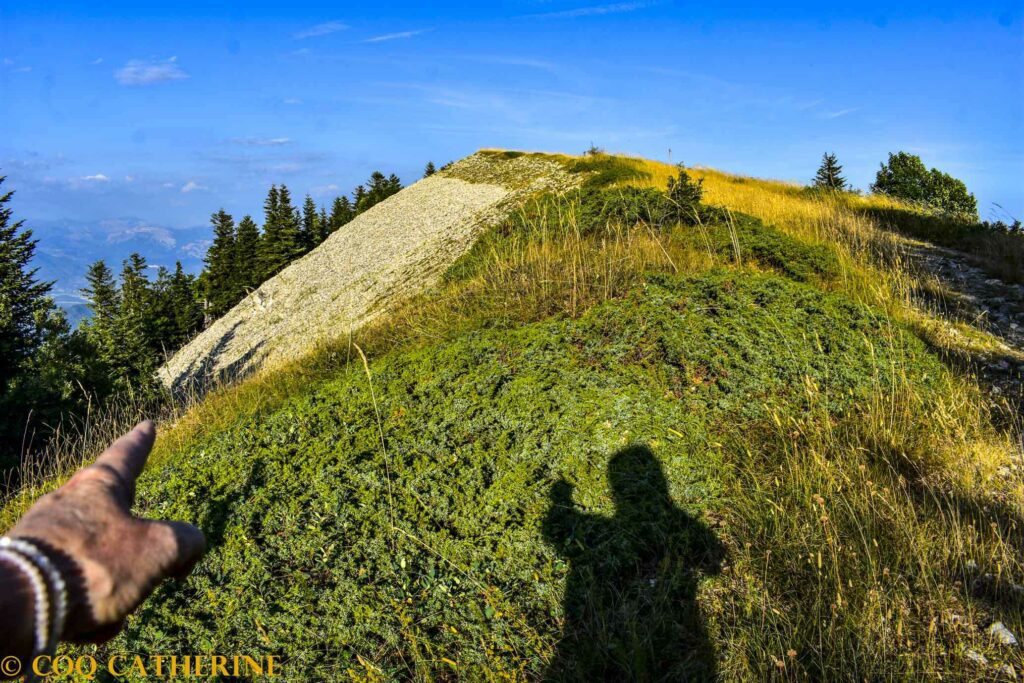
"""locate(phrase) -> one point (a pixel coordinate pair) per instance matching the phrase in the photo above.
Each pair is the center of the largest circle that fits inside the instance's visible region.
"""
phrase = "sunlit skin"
(111, 559)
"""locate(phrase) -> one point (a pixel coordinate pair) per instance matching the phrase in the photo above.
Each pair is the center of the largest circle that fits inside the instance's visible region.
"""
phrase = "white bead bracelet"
(49, 591)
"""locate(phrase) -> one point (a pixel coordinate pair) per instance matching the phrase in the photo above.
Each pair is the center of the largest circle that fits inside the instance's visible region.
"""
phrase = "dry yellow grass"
(858, 533)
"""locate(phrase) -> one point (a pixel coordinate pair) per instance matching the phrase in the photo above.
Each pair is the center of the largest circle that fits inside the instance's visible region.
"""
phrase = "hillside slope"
(611, 442)
(394, 250)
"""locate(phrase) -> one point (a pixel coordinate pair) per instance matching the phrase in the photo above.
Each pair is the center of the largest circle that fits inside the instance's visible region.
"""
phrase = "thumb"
(178, 546)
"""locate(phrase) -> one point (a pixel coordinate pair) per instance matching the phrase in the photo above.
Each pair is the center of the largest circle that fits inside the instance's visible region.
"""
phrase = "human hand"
(110, 559)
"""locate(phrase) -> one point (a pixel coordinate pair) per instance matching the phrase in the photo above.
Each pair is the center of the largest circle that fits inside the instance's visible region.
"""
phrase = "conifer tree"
(135, 352)
(187, 312)
(358, 199)
(219, 277)
(379, 188)
(288, 245)
(104, 300)
(308, 231)
(429, 170)
(268, 247)
(22, 296)
(46, 370)
(247, 267)
(341, 212)
(162, 324)
(323, 227)
(829, 176)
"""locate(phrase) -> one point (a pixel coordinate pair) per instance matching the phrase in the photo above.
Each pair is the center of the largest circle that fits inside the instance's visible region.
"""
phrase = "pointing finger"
(127, 456)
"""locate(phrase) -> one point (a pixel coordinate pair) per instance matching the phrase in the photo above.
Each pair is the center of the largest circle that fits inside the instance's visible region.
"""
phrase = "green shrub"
(605, 170)
(905, 177)
(425, 557)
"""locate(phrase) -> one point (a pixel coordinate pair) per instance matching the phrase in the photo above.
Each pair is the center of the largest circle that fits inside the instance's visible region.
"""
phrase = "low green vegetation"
(617, 442)
(396, 525)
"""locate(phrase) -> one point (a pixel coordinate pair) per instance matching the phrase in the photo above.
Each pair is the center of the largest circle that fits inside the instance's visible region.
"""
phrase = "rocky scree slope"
(396, 249)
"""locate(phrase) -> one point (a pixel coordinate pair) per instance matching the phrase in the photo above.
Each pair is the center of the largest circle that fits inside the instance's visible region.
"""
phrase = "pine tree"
(323, 227)
(829, 176)
(163, 328)
(281, 244)
(135, 352)
(219, 277)
(46, 370)
(22, 297)
(685, 195)
(247, 267)
(429, 170)
(308, 231)
(341, 212)
(187, 311)
(104, 300)
(268, 248)
(358, 199)
(379, 188)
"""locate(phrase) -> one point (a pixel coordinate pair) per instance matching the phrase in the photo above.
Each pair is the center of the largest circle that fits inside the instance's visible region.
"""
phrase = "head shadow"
(630, 607)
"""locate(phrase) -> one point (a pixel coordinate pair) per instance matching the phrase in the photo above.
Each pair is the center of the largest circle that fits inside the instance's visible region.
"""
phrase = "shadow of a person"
(630, 608)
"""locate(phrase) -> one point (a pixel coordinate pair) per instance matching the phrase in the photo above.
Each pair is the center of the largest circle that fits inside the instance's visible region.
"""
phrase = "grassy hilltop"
(616, 437)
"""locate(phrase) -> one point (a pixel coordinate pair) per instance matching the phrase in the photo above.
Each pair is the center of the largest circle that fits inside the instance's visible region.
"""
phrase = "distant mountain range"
(66, 248)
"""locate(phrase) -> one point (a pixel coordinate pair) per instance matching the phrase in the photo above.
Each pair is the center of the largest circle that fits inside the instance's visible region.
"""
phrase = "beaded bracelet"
(32, 553)
(41, 594)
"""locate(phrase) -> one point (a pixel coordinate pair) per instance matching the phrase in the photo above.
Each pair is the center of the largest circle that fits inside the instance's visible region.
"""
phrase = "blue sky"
(149, 116)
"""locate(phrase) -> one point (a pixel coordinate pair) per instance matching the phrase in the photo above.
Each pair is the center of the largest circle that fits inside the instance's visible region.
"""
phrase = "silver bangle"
(33, 554)
(41, 592)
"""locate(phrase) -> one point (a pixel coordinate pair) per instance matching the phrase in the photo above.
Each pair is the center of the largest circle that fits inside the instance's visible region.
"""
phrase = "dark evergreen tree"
(281, 245)
(342, 212)
(379, 188)
(163, 327)
(358, 198)
(104, 300)
(269, 242)
(429, 170)
(308, 229)
(323, 227)
(685, 195)
(829, 176)
(187, 310)
(219, 278)
(136, 351)
(247, 267)
(22, 296)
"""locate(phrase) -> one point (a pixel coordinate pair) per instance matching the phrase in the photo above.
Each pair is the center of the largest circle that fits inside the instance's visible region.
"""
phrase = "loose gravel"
(396, 249)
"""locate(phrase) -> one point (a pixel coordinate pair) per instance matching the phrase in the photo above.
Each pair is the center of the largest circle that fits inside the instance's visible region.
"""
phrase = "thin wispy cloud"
(841, 112)
(191, 186)
(592, 11)
(97, 178)
(262, 142)
(321, 190)
(525, 62)
(141, 72)
(10, 63)
(395, 36)
(291, 101)
(324, 29)
(96, 62)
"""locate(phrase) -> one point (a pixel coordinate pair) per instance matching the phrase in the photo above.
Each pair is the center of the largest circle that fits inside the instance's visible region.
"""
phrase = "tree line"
(904, 176)
(51, 373)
